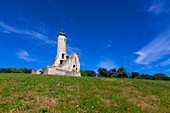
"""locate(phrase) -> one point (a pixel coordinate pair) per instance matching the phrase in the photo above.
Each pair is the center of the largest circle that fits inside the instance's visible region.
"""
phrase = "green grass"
(49, 93)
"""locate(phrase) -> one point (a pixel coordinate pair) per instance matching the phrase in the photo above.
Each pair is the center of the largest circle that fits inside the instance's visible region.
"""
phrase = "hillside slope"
(49, 93)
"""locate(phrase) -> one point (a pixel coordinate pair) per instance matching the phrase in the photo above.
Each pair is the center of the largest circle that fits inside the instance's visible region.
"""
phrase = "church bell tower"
(61, 47)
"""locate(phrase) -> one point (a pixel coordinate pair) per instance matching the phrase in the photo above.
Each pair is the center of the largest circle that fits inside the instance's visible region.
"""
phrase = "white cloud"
(167, 62)
(32, 34)
(157, 7)
(72, 50)
(168, 70)
(155, 50)
(22, 54)
(108, 64)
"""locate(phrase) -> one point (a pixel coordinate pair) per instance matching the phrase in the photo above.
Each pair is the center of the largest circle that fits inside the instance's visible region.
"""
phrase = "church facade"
(63, 63)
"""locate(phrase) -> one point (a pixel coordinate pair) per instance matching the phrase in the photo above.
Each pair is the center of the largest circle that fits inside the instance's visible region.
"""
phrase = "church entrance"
(73, 72)
(61, 61)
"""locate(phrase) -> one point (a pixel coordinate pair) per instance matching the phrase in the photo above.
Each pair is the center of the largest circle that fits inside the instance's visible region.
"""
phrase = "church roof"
(62, 33)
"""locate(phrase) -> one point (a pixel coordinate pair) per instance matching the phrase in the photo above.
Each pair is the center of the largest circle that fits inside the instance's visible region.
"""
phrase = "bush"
(157, 76)
(90, 73)
(134, 74)
(160, 76)
(83, 73)
(15, 70)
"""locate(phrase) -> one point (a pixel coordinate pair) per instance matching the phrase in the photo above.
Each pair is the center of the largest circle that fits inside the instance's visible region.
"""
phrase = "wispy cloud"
(155, 50)
(22, 54)
(168, 70)
(108, 64)
(28, 33)
(73, 49)
(108, 44)
(167, 62)
(157, 7)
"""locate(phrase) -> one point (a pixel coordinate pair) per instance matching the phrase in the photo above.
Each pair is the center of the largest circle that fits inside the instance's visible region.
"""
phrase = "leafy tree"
(102, 72)
(134, 74)
(160, 76)
(90, 73)
(144, 76)
(113, 73)
(83, 73)
(15, 70)
(122, 73)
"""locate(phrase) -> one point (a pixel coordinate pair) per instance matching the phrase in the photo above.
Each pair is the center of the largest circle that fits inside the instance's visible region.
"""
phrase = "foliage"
(83, 73)
(122, 73)
(102, 72)
(134, 74)
(90, 73)
(157, 76)
(113, 73)
(15, 70)
(160, 76)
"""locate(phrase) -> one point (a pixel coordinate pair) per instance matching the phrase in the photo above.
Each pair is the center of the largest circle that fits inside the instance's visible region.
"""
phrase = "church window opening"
(41, 72)
(62, 55)
(74, 66)
(61, 61)
(67, 56)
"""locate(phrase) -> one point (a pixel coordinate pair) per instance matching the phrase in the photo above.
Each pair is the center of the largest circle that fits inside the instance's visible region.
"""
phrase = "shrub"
(90, 73)
(83, 73)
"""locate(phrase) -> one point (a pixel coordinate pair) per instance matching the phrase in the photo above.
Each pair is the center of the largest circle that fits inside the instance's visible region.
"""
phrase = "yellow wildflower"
(127, 108)
(92, 107)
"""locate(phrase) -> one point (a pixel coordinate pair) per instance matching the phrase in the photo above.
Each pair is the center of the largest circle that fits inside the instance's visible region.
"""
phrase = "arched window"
(61, 61)
(63, 55)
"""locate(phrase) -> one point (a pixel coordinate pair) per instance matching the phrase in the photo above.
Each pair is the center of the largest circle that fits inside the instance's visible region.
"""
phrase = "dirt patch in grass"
(72, 101)
(146, 106)
(109, 79)
(144, 102)
(134, 100)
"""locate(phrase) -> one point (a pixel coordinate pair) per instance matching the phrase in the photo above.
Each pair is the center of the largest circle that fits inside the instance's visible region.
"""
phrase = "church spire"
(62, 33)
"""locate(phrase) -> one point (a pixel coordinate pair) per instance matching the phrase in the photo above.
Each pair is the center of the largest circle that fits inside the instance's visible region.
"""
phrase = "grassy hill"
(49, 93)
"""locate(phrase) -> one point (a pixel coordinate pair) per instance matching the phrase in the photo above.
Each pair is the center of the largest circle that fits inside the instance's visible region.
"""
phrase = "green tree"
(160, 76)
(113, 73)
(144, 76)
(83, 73)
(122, 72)
(134, 74)
(102, 72)
(90, 73)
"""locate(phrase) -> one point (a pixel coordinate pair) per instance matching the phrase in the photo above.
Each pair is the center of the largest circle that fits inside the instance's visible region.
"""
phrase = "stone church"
(63, 63)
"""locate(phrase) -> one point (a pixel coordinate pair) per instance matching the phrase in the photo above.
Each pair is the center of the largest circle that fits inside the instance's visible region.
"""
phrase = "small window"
(74, 66)
(62, 55)
(61, 61)
(67, 56)
(41, 72)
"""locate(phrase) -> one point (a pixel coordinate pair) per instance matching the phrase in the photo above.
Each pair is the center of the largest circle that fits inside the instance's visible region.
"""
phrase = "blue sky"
(107, 33)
